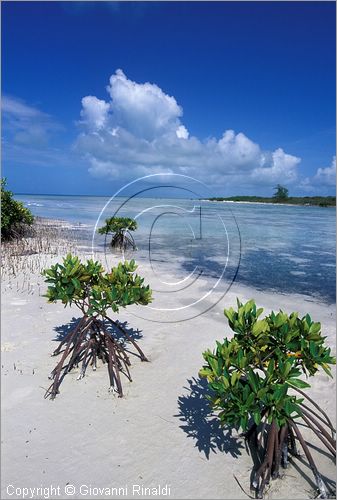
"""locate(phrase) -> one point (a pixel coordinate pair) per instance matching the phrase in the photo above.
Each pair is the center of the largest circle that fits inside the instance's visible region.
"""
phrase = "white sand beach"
(159, 435)
(131, 130)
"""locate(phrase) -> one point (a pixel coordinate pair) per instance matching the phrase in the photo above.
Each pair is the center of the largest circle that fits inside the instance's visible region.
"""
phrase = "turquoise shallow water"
(279, 248)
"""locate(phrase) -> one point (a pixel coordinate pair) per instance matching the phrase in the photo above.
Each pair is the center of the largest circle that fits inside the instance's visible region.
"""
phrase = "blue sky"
(238, 94)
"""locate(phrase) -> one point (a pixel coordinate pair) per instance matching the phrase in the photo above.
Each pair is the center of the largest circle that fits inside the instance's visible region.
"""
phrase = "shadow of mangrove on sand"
(201, 425)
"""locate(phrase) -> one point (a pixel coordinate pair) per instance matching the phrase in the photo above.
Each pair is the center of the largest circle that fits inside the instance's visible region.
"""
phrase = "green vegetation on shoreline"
(15, 217)
(320, 201)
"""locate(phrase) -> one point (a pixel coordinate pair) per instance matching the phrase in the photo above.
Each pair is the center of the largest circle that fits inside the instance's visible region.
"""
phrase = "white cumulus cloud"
(282, 167)
(182, 132)
(94, 112)
(326, 176)
(139, 130)
(322, 181)
(142, 109)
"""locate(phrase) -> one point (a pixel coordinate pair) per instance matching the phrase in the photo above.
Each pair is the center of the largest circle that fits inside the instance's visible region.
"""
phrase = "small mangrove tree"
(120, 228)
(256, 385)
(94, 292)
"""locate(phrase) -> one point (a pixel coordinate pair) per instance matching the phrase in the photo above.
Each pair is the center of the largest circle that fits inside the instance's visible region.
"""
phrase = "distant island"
(281, 196)
(320, 201)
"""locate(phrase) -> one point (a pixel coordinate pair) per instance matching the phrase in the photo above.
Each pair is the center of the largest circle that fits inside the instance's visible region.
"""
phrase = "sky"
(239, 95)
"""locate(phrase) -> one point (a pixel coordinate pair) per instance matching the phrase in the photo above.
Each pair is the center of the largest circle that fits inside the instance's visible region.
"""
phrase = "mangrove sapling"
(120, 228)
(255, 375)
(94, 292)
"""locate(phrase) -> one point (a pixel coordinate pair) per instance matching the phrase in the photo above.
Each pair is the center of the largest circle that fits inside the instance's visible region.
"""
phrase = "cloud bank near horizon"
(139, 131)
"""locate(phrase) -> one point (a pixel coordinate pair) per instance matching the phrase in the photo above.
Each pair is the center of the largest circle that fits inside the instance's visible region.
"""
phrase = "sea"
(281, 248)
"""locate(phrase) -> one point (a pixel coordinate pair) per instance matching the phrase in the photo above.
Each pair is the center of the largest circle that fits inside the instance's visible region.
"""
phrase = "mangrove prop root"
(330, 439)
(328, 421)
(83, 345)
(284, 446)
(263, 473)
(326, 442)
(317, 476)
(281, 442)
(129, 339)
(292, 447)
(279, 450)
(123, 240)
(309, 415)
(332, 429)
